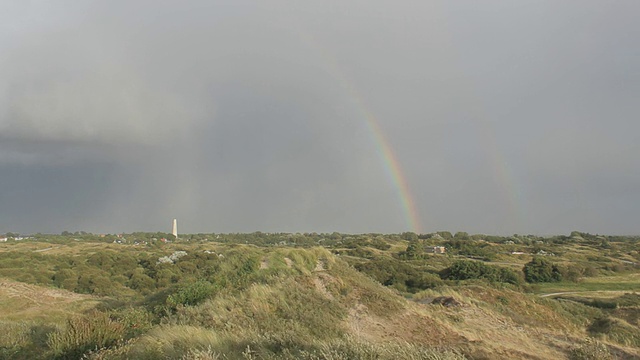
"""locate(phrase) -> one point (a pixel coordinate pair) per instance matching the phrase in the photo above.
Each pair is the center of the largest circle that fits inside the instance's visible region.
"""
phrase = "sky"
(494, 117)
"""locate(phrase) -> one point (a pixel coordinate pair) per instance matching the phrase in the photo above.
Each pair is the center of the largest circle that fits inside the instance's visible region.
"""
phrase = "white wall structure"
(175, 228)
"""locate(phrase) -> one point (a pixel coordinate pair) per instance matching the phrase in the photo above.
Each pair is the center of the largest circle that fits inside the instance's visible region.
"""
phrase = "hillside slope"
(245, 302)
(310, 304)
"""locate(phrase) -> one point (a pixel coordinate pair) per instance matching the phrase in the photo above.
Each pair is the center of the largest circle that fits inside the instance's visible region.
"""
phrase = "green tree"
(409, 236)
(541, 270)
(466, 269)
(65, 279)
(415, 250)
(141, 282)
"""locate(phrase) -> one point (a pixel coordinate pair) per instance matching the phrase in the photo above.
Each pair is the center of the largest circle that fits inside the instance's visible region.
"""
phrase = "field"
(319, 296)
(603, 286)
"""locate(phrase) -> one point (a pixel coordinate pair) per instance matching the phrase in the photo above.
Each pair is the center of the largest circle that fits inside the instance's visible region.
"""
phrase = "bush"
(66, 279)
(16, 337)
(400, 275)
(473, 249)
(380, 244)
(541, 270)
(615, 330)
(82, 334)
(135, 320)
(191, 294)
(467, 270)
(141, 282)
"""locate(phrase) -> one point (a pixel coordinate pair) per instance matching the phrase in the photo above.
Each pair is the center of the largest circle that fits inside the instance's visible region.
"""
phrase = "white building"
(174, 231)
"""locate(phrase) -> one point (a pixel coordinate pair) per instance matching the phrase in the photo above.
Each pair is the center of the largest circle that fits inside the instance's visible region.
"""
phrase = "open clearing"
(597, 286)
(21, 301)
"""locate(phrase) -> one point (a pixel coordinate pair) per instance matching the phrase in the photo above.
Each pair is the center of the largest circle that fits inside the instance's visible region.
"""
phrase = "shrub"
(541, 270)
(82, 334)
(590, 350)
(191, 294)
(615, 330)
(628, 299)
(398, 274)
(141, 282)
(423, 281)
(135, 320)
(467, 270)
(380, 244)
(65, 279)
(15, 338)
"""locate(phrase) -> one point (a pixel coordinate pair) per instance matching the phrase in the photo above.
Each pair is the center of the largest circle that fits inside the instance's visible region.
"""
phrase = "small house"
(435, 249)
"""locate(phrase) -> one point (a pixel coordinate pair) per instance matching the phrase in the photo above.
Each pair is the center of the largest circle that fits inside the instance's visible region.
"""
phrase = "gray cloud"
(239, 116)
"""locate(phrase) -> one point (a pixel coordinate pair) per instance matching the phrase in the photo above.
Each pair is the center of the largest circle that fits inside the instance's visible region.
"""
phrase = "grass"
(590, 350)
(292, 306)
(615, 330)
(188, 342)
(26, 302)
(83, 333)
(505, 323)
(627, 282)
(299, 303)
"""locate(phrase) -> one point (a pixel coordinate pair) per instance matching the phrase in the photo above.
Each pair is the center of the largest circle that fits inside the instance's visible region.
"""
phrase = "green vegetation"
(399, 274)
(319, 296)
(541, 270)
(466, 269)
(81, 334)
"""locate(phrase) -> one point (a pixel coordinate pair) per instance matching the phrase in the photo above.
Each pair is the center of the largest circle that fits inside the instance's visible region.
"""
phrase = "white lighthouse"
(174, 231)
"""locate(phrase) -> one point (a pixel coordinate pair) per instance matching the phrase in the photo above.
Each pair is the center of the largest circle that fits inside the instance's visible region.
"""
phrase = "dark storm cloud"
(239, 116)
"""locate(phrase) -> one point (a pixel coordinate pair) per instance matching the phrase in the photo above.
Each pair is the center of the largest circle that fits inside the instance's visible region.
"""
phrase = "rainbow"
(394, 170)
(502, 171)
(382, 145)
(503, 175)
(389, 159)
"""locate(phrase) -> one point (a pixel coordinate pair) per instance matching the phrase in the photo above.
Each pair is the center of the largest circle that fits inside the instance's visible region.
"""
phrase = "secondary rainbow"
(501, 170)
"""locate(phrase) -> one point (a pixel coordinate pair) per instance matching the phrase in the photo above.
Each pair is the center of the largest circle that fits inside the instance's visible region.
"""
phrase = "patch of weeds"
(590, 350)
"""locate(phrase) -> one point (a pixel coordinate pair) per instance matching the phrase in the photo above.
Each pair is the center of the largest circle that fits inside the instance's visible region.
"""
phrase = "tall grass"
(16, 338)
(590, 350)
(355, 287)
(292, 305)
(24, 339)
(615, 330)
(191, 343)
(84, 333)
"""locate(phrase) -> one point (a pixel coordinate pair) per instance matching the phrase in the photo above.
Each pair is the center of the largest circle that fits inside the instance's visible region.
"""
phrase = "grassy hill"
(214, 300)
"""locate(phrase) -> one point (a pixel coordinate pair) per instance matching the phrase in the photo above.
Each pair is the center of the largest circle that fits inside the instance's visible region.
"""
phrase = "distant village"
(16, 238)
(333, 240)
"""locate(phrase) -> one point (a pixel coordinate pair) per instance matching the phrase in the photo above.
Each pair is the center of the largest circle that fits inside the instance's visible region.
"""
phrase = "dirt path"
(562, 293)
(583, 292)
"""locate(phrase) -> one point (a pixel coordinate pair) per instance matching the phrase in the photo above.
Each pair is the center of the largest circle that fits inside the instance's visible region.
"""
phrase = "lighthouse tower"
(174, 231)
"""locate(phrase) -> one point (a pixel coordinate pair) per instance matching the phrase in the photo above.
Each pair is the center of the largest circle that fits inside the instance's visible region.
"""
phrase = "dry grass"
(83, 333)
(186, 342)
(308, 304)
(26, 302)
(508, 324)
